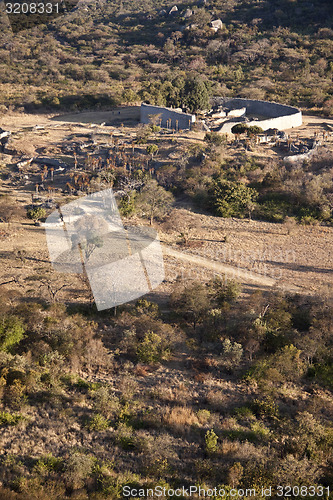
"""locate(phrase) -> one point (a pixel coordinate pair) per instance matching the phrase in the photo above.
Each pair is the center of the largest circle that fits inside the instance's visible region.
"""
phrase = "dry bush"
(215, 399)
(180, 417)
(229, 424)
(171, 394)
(97, 356)
(128, 387)
(202, 377)
(10, 209)
(241, 451)
(290, 224)
(141, 370)
(185, 224)
(155, 447)
(204, 417)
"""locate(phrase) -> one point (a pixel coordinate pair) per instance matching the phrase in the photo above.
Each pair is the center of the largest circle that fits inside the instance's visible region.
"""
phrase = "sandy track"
(230, 271)
(241, 275)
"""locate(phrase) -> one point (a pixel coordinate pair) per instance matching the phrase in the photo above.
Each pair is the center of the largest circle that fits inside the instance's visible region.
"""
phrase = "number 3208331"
(32, 8)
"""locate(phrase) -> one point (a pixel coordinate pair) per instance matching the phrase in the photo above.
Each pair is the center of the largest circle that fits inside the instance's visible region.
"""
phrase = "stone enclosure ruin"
(225, 113)
(173, 119)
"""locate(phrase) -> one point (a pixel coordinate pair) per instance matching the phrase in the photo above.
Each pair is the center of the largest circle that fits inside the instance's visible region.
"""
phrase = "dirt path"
(212, 265)
(246, 277)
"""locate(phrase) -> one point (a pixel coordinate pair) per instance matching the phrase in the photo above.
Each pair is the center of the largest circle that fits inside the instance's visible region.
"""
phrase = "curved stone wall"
(275, 115)
(170, 118)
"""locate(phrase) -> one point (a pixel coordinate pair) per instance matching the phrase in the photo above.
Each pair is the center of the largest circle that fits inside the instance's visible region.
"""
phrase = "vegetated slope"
(221, 391)
(117, 52)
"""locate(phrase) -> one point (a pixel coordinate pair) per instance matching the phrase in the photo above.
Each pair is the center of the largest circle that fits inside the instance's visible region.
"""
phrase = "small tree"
(154, 201)
(240, 128)
(126, 205)
(155, 122)
(192, 303)
(224, 291)
(211, 441)
(152, 349)
(195, 95)
(231, 199)
(8, 209)
(36, 214)
(142, 135)
(254, 130)
(90, 231)
(152, 149)
(215, 139)
(232, 353)
(52, 285)
(235, 474)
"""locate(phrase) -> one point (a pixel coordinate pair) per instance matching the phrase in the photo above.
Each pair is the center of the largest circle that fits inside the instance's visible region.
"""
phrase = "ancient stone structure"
(264, 114)
(227, 112)
(173, 119)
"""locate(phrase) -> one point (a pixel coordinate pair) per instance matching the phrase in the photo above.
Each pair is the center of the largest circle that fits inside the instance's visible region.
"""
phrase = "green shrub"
(15, 395)
(48, 464)
(323, 373)
(98, 423)
(36, 213)
(7, 419)
(232, 353)
(211, 441)
(231, 198)
(214, 138)
(143, 306)
(152, 149)
(203, 416)
(152, 349)
(260, 431)
(127, 205)
(224, 291)
(265, 407)
(240, 128)
(244, 412)
(11, 332)
(254, 130)
(125, 437)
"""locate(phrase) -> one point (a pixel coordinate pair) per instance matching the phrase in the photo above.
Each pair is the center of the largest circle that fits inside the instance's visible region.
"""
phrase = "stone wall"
(279, 116)
(171, 118)
(236, 113)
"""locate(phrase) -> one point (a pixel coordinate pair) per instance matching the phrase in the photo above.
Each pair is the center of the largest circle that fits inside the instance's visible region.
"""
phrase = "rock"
(188, 13)
(216, 25)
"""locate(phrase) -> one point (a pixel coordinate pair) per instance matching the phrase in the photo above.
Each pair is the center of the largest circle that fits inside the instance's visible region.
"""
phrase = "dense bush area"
(104, 400)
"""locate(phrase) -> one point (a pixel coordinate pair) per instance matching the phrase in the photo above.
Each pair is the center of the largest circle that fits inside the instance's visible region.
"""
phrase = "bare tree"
(187, 226)
(50, 283)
